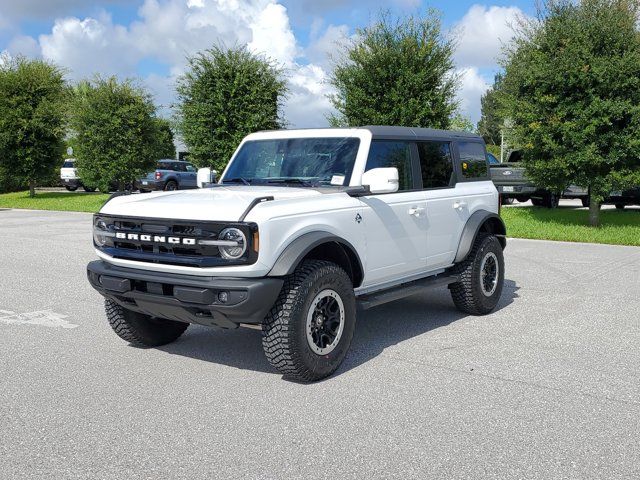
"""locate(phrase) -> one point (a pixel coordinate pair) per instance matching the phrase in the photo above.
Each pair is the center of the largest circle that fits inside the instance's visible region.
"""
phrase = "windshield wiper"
(241, 180)
(296, 181)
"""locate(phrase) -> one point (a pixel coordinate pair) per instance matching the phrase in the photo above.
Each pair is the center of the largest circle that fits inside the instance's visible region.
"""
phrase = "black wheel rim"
(489, 273)
(325, 322)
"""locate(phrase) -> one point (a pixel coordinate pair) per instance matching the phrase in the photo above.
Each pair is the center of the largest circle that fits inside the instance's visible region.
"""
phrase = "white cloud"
(307, 104)
(168, 31)
(323, 48)
(482, 32)
(272, 35)
(89, 46)
(472, 87)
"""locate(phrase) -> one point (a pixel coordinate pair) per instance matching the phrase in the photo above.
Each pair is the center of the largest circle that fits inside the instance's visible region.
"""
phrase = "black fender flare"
(472, 228)
(293, 254)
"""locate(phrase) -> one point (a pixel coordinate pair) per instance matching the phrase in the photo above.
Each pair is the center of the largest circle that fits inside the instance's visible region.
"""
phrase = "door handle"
(416, 211)
(459, 205)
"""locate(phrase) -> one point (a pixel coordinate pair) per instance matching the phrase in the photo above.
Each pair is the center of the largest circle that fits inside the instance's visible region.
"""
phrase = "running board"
(365, 302)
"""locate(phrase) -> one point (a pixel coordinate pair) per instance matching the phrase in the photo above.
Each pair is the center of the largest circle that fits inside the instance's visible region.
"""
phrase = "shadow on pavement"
(376, 330)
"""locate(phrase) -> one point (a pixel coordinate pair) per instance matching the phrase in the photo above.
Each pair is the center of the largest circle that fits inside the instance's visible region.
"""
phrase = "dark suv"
(169, 175)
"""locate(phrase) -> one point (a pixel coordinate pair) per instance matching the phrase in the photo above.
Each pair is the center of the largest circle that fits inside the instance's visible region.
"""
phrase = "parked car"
(69, 178)
(511, 181)
(624, 198)
(578, 193)
(303, 226)
(169, 175)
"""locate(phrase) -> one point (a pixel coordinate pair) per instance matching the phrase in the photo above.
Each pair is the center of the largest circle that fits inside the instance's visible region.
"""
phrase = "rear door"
(395, 223)
(447, 211)
(190, 176)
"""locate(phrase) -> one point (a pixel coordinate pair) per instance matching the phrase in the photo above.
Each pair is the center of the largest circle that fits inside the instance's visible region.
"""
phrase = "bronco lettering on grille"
(155, 239)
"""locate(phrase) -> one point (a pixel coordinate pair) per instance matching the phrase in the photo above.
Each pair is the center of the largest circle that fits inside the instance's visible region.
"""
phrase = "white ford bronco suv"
(302, 228)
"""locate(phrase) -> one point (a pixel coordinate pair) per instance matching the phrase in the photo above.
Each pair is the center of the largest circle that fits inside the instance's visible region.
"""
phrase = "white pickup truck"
(303, 227)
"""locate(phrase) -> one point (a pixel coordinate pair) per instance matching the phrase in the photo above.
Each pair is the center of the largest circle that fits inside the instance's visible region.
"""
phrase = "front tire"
(142, 330)
(620, 206)
(308, 331)
(481, 277)
(70, 189)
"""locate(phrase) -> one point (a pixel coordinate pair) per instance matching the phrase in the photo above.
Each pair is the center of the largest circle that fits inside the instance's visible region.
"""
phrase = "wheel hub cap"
(489, 274)
(325, 322)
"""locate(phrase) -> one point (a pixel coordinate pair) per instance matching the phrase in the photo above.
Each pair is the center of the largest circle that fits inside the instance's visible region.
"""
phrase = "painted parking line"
(43, 318)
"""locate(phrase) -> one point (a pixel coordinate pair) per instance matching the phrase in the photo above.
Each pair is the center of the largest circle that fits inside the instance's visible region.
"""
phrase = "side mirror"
(381, 180)
(205, 177)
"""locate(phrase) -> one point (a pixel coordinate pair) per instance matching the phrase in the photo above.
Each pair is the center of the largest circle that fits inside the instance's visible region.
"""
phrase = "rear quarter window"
(473, 161)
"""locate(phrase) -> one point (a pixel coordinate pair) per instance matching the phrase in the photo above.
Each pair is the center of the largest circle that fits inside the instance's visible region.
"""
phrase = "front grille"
(169, 241)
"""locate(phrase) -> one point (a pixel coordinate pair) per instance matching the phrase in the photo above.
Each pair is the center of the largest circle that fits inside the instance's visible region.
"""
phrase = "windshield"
(297, 161)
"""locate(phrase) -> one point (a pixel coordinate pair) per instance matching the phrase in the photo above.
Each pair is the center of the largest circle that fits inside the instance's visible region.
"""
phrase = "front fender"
(293, 254)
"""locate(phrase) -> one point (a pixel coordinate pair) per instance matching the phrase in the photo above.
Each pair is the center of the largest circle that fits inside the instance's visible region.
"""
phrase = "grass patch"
(571, 225)
(69, 202)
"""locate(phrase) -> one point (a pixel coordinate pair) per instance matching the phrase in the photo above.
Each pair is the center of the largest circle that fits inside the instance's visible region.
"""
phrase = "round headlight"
(99, 229)
(232, 252)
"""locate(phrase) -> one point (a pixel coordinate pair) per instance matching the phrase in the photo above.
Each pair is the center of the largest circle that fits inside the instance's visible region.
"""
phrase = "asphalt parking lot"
(548, 386)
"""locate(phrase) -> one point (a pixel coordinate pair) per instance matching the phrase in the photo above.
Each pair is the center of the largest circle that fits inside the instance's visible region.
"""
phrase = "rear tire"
(71, 189)
(522, 199)
(481, 277)
(142, 330)
(551, 200)
(170, 186)
(585, 201)
(89, 189)
(308, 331)
(620, 206)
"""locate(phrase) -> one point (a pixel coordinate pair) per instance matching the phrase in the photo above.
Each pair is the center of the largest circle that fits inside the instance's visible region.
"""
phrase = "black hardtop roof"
(388, 132)
(416, 133)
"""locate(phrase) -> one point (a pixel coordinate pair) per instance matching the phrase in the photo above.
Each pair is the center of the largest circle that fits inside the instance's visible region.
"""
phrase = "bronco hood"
(226, 203)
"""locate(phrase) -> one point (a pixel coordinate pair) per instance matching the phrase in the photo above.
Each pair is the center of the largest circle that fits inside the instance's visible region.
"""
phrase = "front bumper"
(186, 298)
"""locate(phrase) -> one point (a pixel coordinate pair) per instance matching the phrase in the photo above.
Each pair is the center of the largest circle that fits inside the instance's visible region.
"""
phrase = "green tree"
(491, 118)
(32, 120)
(225, 95)
(396, 72)
(166, 147)
(117, 134)
(572, 79)
(461, 123)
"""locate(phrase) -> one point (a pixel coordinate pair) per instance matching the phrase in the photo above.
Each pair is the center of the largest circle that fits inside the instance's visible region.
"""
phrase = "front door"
(395, 223)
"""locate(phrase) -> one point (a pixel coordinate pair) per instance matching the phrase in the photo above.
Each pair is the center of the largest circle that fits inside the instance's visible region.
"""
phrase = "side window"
(179, 167)
(191, 168)
(164, 166)
(473, 161)
(385, 154)
(435, 164)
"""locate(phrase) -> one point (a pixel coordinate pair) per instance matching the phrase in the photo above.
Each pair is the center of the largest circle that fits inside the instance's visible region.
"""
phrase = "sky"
(150, 40)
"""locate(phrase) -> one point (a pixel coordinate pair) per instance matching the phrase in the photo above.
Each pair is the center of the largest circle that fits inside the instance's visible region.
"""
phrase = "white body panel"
(398, 236)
